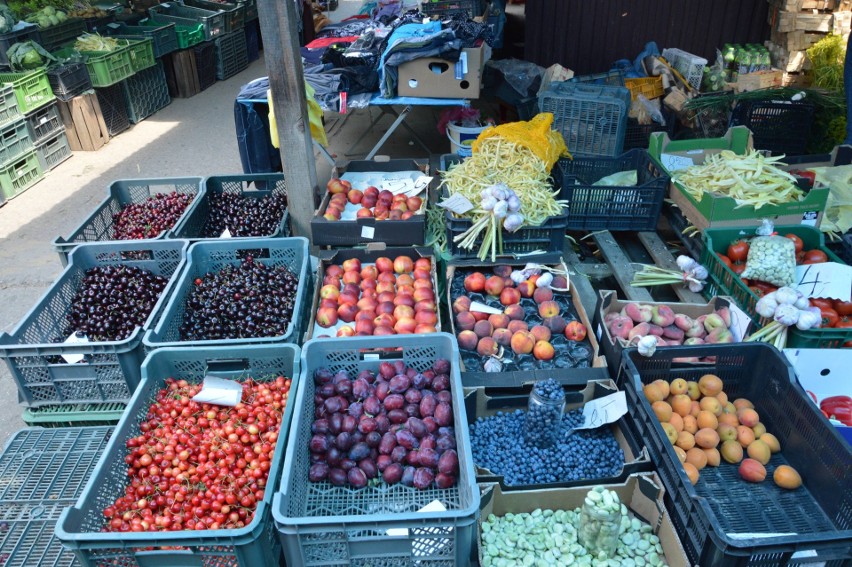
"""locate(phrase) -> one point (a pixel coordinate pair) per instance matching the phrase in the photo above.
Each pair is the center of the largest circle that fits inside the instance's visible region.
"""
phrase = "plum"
(387, 443)
(423, 478)
(399, 384)
(443, 480)
(416, 426)
(448, 463)
(394, 402)
(392, 473)
(369, 467)
(356, 477)
(318, 472)
(443, 414)
(337, 477)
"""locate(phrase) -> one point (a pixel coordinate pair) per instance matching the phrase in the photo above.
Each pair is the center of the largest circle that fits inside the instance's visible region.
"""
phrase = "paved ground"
(189, 137)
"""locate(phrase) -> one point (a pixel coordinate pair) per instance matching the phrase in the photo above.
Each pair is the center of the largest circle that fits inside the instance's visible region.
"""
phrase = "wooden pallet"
(84, 123)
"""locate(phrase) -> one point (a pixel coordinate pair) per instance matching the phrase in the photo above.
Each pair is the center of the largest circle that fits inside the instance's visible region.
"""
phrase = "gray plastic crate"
(235, 14)
(212, 256)
(177, 13)
(109, 370)
(164, 36)
(42, 472)
(98, 227)
(14, 141)
(591, 118)
(44, 123)
(320, 524)
(254, 186)
(231, 55)
(53, 152)
(8, 104)
(255, 545)
(145, 93)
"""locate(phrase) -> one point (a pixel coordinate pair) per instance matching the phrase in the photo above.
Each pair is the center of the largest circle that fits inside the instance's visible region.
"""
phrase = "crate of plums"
(547, 435)
(82, 342)
(237, 291)
(516, 323)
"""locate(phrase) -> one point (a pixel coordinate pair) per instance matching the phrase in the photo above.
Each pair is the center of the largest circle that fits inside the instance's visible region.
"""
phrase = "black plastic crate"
(251, 9)
(205, 63)
(145, 93)
(54, 37)
(599, 207)
(692, 241)
(69, 80)
(639, 135)
(252, 40)
(113, 109)
(44, 123)
(847, 248)
(782, 127)
(97, 24)
(231, 55)
(811, 524)
(7, 40)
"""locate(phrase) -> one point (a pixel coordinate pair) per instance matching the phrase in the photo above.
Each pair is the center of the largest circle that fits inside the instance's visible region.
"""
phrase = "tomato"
(725, 259)
(575, 331)
(796, 241)
(738, 268)
(843, 308)
(738, 251)
(758, 291)
(829, 317)
(800, 257)
(844, 323)
(821, 303)
(815, 257)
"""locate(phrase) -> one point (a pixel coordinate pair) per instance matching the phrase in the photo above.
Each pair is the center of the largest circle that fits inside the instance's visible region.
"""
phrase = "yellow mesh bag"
(535, 135)
(314, 118)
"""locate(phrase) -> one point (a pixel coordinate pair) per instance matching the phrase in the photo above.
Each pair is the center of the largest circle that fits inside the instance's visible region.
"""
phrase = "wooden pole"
(279, 27)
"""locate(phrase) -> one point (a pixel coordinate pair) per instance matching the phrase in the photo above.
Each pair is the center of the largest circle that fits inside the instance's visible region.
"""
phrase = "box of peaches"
(374, 201)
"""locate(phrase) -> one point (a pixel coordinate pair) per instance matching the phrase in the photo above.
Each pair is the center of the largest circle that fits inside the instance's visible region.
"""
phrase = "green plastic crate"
(20, 175)
(32, 89)
(8, 104)
(164, 37)
(108, 68)
(724, 281)
(74, 415)
(141, 54)
(14, 141)
(254, 545)
(212, 22)
(145, 93)
(187, 36)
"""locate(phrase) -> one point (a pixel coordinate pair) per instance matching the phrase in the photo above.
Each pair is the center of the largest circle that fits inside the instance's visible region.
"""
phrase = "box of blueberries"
(517, 323)
(532, 439)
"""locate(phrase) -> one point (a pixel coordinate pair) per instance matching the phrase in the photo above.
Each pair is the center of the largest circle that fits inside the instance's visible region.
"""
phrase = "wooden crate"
(84, 123)
(802, 79)
(182, 73)
(759, 80)
(796, 21)
(810, 5)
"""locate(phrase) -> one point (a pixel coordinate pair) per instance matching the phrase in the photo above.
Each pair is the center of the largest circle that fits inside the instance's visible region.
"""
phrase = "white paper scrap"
(457, 204)
(433, 506)
(225, 234)
(368, 232)
(603, 410)
(482, 308)
(219, 391)
(828, 280)
(73, 339)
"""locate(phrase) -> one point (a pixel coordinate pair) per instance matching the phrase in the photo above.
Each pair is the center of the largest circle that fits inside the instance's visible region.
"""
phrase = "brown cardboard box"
(431, 77)
(642, 493)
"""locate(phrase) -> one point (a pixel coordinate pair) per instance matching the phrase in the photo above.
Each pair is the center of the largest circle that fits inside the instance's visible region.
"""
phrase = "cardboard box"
(642, 493)
(431, 77)
(608, 302)
(636, 459)
(714, 210)
(367, 255)
(825, 373)
(472, 378)
(409, 232)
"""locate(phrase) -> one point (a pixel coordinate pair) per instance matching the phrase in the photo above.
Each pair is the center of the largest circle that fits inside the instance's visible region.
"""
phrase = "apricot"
(678, 386)
(681, 454)
(759, 429)
(693, 391)
(706, 438)
(662, 410)
(726, 432)
(691, 472)
(712, 405)
(723, 399)
(728, 419)
(690, 425)
(654, 393)
(771, 441)
(696, 458)
(742, 403)
(748, 417)
(732, 452)
(706, 419)
(710, 384)
(696, 409)
(787, 477)
(677, 422)
(713, 457)
(745, 436)
(752, 471)
(685, 440)
(671, 432)
(759, 451)
(681, 404)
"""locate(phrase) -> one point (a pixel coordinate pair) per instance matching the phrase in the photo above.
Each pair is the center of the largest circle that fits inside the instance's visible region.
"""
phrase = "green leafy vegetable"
(28, 55)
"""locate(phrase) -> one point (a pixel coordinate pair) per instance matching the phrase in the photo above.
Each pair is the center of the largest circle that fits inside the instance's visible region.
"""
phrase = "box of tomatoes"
(725, 254)
(374, 201)
(518, 323)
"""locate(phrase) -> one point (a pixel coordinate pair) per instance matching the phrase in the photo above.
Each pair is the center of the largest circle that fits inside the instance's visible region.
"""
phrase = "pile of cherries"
(148, 219)
(244, 216)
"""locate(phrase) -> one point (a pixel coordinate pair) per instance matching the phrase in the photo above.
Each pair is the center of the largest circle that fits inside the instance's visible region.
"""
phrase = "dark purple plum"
(318, 472)
(443, 480)
(399, 384)
(369, 467)
(392, 473)
(356, 477)
(423, 478)
(449, 462)
(337, 477)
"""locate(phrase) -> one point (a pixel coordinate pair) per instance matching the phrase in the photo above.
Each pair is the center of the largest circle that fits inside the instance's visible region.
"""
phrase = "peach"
(483, 329)
(548, 309)
(480, 316)
(426, 318)
(522, 342)
(542, 294)
(502, 270)
(543, 350)
(475, 282)
(515, 326)
(468, 340)
(494, 286)
(637, 313)
(487, 347)
(365, 326)
(346, 312)
(503, 337)
(423, 293)
(405, 325)
(384, 320)
(461, 304)
(424, 328)
(556, 324)
(404, 299)
(426, 305)
(345, 331)
(499, 321)
(510, 296)
(526, 288)
(402, 312)
(540, 332)
(662, 315)
(386, 307)
(326, 317)
(465, 321)
(515, 312)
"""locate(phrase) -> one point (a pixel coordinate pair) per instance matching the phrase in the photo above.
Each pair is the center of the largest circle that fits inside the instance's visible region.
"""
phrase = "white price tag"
(482, 308)
(368, 232)
(457, 204)
(73, 339)
(225, 234)
(675, 163)
(740, 322)
(420, 184)
(828, 280)
(603, 410)
(397, 186)
(219, 391)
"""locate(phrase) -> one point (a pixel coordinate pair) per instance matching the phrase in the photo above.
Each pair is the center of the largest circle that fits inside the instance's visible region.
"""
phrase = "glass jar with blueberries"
(546, 405)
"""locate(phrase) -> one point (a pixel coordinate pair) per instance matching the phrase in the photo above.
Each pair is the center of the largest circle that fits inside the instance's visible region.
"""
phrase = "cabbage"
(7, 19)
(28, 55)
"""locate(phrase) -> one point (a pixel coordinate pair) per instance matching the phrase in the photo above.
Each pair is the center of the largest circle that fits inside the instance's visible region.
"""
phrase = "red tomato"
(575, 331)
(800, 257)
(758, 291)
(725, 259)
(738, 251)
(796, 241)
(815, 257)
(829, 317)
(738, 268)
(821, 303)
(843, 308)
(844, 323)
(847, 344)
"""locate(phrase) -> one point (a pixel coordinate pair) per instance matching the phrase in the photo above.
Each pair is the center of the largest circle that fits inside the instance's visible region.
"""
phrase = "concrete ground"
(190, 137)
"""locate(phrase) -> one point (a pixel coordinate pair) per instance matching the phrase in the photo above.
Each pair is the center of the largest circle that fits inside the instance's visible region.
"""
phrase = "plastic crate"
(235, 14)
(43, 471)
(98, 226)
(205, 64)
(324, 525)
(32, 89)
(649, 87)
(141, 53)
(596, 207)
(107, 68)
(549, 237)
(164, 36)
(726, 282)
(213, 23)
(74, 415)
(639, 135)
(14, 141)
(847, 248)
(251, 9)
(212, 256)
(254, 545)
(810, 524)
(251, 186)
(113, 109)
(614, 78)
(29, 32)
(52, 152)
(145, 93)
(591, 118)
(109, 371)
(69, 80)
(472, 8)
(252, 32)
(782, 127)
(692, 242)
(97, 24)
(44, 123)
(60, 34)
(231, 55)
(187, 35)
(8, 104)
(19, 175)
(688, 65)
